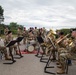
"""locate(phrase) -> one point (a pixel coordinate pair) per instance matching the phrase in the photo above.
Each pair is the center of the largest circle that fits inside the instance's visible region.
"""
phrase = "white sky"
(54, 14)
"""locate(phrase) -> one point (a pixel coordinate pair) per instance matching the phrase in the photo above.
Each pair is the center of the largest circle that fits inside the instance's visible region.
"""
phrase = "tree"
(1, 11)
(66, 31)
(2, 28)
(1, 14)
(14, 26)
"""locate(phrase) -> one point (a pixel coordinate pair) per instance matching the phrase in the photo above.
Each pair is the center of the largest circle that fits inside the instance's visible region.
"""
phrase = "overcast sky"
(41, 13)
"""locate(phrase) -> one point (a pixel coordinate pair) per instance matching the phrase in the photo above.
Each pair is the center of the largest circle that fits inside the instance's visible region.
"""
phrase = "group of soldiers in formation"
(65, 46)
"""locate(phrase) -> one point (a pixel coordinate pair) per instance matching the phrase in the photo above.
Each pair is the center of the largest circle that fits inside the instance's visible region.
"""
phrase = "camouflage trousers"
(3, 49)
(63, 55)
(24, 40)
(13, 47)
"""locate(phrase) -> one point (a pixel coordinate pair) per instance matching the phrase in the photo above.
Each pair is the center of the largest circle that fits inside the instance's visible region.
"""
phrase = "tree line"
(14, 26)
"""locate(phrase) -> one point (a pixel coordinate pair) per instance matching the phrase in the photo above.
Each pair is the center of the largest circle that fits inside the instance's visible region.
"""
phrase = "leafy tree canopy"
(1, 11)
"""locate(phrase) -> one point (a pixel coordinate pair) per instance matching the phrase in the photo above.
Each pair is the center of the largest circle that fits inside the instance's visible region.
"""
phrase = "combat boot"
(59, 66)
(7, 58)
(60, 71)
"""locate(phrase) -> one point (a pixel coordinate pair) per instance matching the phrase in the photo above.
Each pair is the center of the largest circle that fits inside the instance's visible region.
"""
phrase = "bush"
(66, 31)
(1, 32)
(14, 31)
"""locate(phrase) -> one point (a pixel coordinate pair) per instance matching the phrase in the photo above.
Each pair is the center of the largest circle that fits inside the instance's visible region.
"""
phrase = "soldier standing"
(35, 32)
(25, 35)
(6, 31)
(9, 38)
(19, 32)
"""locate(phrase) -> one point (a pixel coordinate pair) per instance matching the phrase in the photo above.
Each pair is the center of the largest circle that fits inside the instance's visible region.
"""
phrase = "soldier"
(31, 38)
(35, 32)
(19, 32)
(6, 31)
(9, 38)
(51, 37)
(62, 54)
(31, 35)
(44, 31)
(4, 50)
(73, 46)
(25, 35)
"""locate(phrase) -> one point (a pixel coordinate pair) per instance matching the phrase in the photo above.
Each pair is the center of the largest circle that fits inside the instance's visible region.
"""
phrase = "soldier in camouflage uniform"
(25, 35)
(6, 31)
(19, 32)
(9, 38)
(62, 54)
(73, 45)
(35, 33)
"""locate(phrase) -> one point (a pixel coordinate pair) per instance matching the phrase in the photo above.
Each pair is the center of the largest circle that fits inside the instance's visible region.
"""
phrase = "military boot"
(61, 71)
(7, 58)
(59, 66)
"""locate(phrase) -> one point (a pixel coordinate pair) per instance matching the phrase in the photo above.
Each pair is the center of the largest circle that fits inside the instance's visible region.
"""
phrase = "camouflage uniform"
(25, 35)
(73, 49)
(6, 31)
(19, 32)
(51, 48)
(36, 33)
(63, 55)
(4, 50)
(7, 40)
